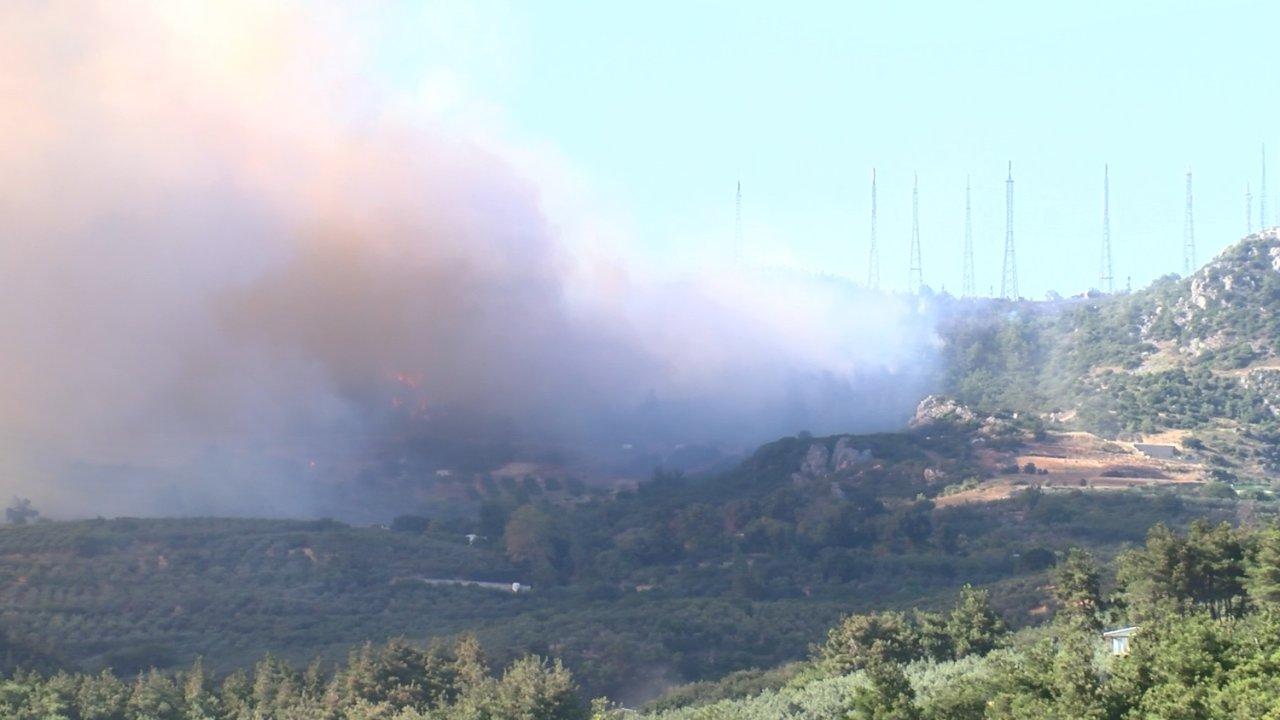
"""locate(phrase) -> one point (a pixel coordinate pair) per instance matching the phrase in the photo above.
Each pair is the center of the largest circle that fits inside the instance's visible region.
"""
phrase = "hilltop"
(1199, 355)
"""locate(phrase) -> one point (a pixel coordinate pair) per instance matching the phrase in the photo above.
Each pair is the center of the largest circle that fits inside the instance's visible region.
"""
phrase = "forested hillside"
(1199, 353)
(1208, 633)
(1202, 607)
(681, 579)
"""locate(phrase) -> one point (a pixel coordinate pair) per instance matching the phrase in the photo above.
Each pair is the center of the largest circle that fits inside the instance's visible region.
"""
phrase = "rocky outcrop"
(816, 461)
(935, 409)
(1265, 382)
(819, 462)
(846, 455)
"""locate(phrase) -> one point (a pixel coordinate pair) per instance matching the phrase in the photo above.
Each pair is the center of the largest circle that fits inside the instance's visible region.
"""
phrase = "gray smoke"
(234, 269)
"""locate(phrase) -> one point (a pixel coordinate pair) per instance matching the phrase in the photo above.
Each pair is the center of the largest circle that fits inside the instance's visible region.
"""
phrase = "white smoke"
(222, 240)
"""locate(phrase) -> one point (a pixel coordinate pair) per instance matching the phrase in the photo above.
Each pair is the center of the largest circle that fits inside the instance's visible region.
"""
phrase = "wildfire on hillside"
(408, 397)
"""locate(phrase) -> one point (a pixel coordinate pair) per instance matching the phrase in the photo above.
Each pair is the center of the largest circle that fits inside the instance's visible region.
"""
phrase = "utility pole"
(737, 226)
(967, 283)
(915, 276)
(1009, 274)
(1262, 193)
(1248, 210)
(1189, 234)
(873, 263)
(1106, 280)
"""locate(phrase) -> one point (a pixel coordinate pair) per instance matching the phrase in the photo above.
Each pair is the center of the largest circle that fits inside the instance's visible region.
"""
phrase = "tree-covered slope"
(680, 579)
(1202, 607)
(1200, 353)
(1208, 634)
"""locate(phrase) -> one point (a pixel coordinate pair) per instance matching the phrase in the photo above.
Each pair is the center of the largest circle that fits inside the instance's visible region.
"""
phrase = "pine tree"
(399, 675)
(199, 700)
(1263, 580)
(476, 692)
(438, 676)
(1077, 591)
(888, 696)
(102, 697)
(1171, 573)
(276, 686)
(356, 681)
(1219, 568)
(313, 680)
(1155, 577)
(235, 697)
(155, 697)
(537, 689)
(932, 636)
(56, 696)
(469, 662)
(1077, 689)
(859, 639)
(974, 627)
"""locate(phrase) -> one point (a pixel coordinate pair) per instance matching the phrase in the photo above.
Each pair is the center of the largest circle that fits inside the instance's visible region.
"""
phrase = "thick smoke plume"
(231, 255)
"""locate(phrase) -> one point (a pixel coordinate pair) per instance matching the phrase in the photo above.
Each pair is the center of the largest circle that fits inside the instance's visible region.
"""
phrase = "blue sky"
(662, 106)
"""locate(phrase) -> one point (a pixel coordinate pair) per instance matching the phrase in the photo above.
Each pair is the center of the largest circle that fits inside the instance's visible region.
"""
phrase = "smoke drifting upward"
(227, 251)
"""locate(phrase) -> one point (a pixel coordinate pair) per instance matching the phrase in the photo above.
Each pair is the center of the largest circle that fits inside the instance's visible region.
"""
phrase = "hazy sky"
(659, 107)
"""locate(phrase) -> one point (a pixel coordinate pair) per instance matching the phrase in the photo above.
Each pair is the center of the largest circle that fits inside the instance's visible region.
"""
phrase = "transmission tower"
(1009, 276)
(1262, 193)
(967, 284)
(915, 277)
(873, 263)
(1248, 210)
(1106, 280)
(737, 225)
(1189, 235)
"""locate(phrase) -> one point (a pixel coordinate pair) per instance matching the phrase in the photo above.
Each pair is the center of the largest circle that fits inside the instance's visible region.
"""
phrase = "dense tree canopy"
(396, 680)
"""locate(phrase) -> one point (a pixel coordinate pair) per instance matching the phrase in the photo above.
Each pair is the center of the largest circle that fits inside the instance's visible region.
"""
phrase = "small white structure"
(515, 587)
(1118, 640)
(1157, 452)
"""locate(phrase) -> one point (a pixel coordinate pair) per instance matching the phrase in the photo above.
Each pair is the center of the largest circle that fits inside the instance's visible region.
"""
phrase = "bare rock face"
(815, 461)
(1265, 382)
(1230, 278)
(846, 455)
(819, 463)
(1203, 290)
(935, 409)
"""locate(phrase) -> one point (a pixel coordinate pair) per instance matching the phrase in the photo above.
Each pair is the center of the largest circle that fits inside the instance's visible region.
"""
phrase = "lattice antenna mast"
(873, 262)
(1262, 193)
(1105, 278)
(1009, 276)
(737, 225)
(967, 282)
(1248, 210)
(915, 276)
(1189, 234)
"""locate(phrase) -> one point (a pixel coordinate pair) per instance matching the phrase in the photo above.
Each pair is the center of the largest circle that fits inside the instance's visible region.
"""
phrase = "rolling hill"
(1199, 354)
(1077, 422)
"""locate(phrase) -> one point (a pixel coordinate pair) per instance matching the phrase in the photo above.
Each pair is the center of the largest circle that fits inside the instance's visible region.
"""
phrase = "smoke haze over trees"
(228, 248)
